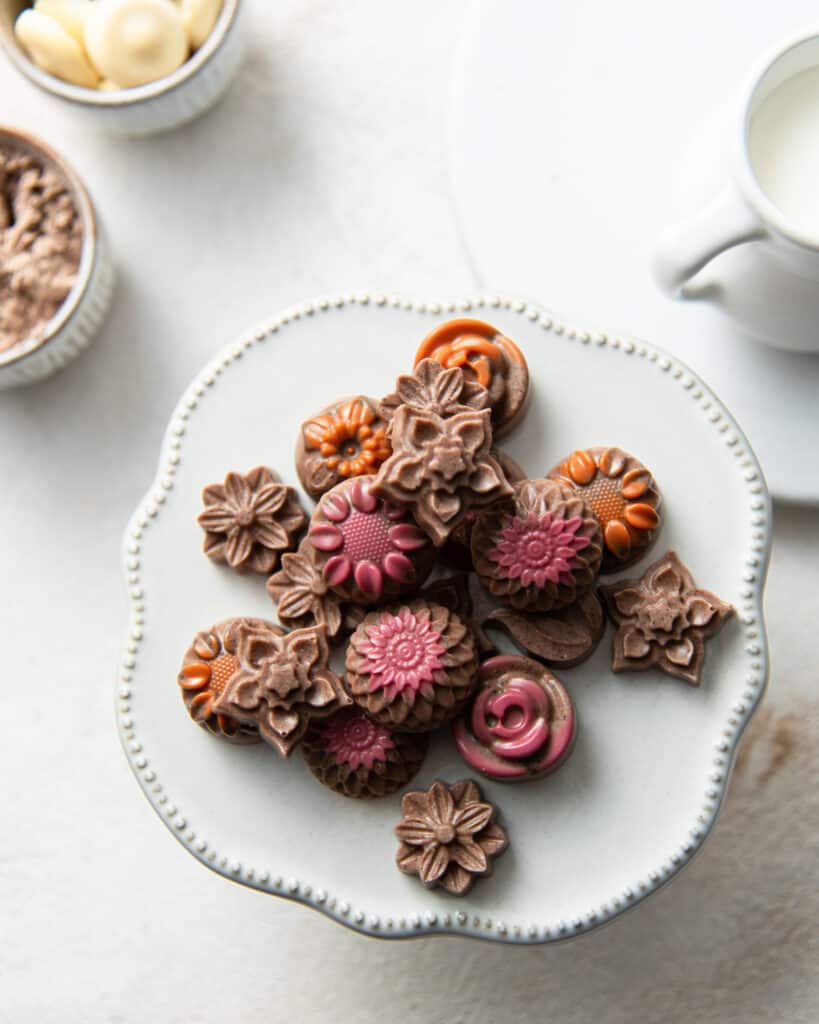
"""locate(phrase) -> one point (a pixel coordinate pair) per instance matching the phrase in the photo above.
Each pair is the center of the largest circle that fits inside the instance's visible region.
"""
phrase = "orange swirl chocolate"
(487, 357)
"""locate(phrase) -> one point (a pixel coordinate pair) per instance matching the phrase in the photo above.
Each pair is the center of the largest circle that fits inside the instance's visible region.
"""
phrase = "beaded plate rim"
(426, 922)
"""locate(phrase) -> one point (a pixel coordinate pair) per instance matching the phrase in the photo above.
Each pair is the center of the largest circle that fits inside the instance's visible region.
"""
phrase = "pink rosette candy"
(521, 724)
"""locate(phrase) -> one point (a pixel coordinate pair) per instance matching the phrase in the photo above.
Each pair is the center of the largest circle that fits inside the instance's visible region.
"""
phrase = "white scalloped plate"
(644, 784)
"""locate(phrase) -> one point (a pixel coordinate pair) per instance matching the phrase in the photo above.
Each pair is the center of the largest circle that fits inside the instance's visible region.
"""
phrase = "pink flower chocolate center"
(367, 541)
(539, 550)
(355, 740)
(402, 653)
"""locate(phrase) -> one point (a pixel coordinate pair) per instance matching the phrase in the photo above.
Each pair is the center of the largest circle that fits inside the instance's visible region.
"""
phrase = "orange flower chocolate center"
(347, 440)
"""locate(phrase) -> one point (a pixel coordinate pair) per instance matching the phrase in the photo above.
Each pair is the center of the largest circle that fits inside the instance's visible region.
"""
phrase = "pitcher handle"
(685, 248)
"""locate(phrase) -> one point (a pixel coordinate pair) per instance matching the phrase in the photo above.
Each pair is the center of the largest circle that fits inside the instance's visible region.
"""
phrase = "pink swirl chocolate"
(521, 724)
(367, 549)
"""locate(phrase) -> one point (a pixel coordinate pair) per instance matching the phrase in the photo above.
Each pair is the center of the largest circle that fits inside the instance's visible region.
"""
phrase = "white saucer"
(644, 784)
(578, 132)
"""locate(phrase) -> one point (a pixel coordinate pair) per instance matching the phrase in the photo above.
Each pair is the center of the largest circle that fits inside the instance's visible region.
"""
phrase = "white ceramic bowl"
(79, 318)
(147, 109)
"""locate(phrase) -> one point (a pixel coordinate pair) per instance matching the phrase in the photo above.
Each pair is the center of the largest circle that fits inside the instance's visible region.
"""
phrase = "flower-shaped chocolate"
(250, 520)
(622, 494)
(448, 836)
(357, 757)
(539, 551)
(302, 595)
(521, 724)
(488, 359)
(346, 439)
(411, 667)
(283, 681)
(209, 663)
(367, 548)
(663, 620)
(441, 467)
(433, 388)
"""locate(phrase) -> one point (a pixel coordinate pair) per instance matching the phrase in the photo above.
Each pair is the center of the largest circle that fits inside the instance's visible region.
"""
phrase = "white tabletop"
(322, 171)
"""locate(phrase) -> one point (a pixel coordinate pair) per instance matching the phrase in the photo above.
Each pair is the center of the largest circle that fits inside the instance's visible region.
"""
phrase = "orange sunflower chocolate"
(208, 665)
(345, 439)
(622, 494)
(486, 357)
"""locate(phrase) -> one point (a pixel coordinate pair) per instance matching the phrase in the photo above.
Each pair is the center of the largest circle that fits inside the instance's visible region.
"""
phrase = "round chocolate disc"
(207, 666)
(487, 357)
(540, 550)
(622, 494)
(521, 724)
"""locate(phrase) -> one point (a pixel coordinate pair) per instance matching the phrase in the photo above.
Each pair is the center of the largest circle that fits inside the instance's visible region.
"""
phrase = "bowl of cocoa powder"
(56, 278)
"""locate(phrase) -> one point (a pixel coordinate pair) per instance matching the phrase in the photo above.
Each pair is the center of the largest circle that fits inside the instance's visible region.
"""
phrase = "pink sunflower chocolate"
(368, 549)
(411, 667)
(541, 550)
(357, 757)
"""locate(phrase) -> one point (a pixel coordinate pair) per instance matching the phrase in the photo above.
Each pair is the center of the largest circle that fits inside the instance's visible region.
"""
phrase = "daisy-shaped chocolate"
(411, 667)
(448, 836)
(250, 520)
(367, 549)
(346, 439)
(539, 551)
(302, 594)
(433, 388)
(663, 620)
(357, 757)
(209, 663)
(622, 494)
(441, 467)
(283, 681)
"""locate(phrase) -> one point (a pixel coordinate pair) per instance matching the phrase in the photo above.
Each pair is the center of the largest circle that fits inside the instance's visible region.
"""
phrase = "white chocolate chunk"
(199, 17)
(53, 49)
(71, 14)
(136, 41)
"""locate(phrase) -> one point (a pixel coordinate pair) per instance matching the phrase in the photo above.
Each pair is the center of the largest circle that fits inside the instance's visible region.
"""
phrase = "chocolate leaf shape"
(564, 638)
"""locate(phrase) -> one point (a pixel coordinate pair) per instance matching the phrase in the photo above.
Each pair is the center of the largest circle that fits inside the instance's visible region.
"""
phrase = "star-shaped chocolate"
(663, 620)
(283, 682)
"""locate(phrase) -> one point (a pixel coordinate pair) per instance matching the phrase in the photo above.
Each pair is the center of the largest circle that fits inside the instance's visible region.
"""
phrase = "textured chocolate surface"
(344, 440)
(411, 666)
(250, 520)
(448, 836)
(457, 551)
(433, 388)
(208, 664)
(487, 358)
(357, 757)
(663, 620)
(283, 681)
(539, 551)
(623, 495)
(441, 464)
(521, 723)
(565, 637)
(368, 549)
(302, 595)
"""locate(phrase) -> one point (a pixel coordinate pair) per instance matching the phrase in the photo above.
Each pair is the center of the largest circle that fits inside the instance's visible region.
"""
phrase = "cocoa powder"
(40, 245)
